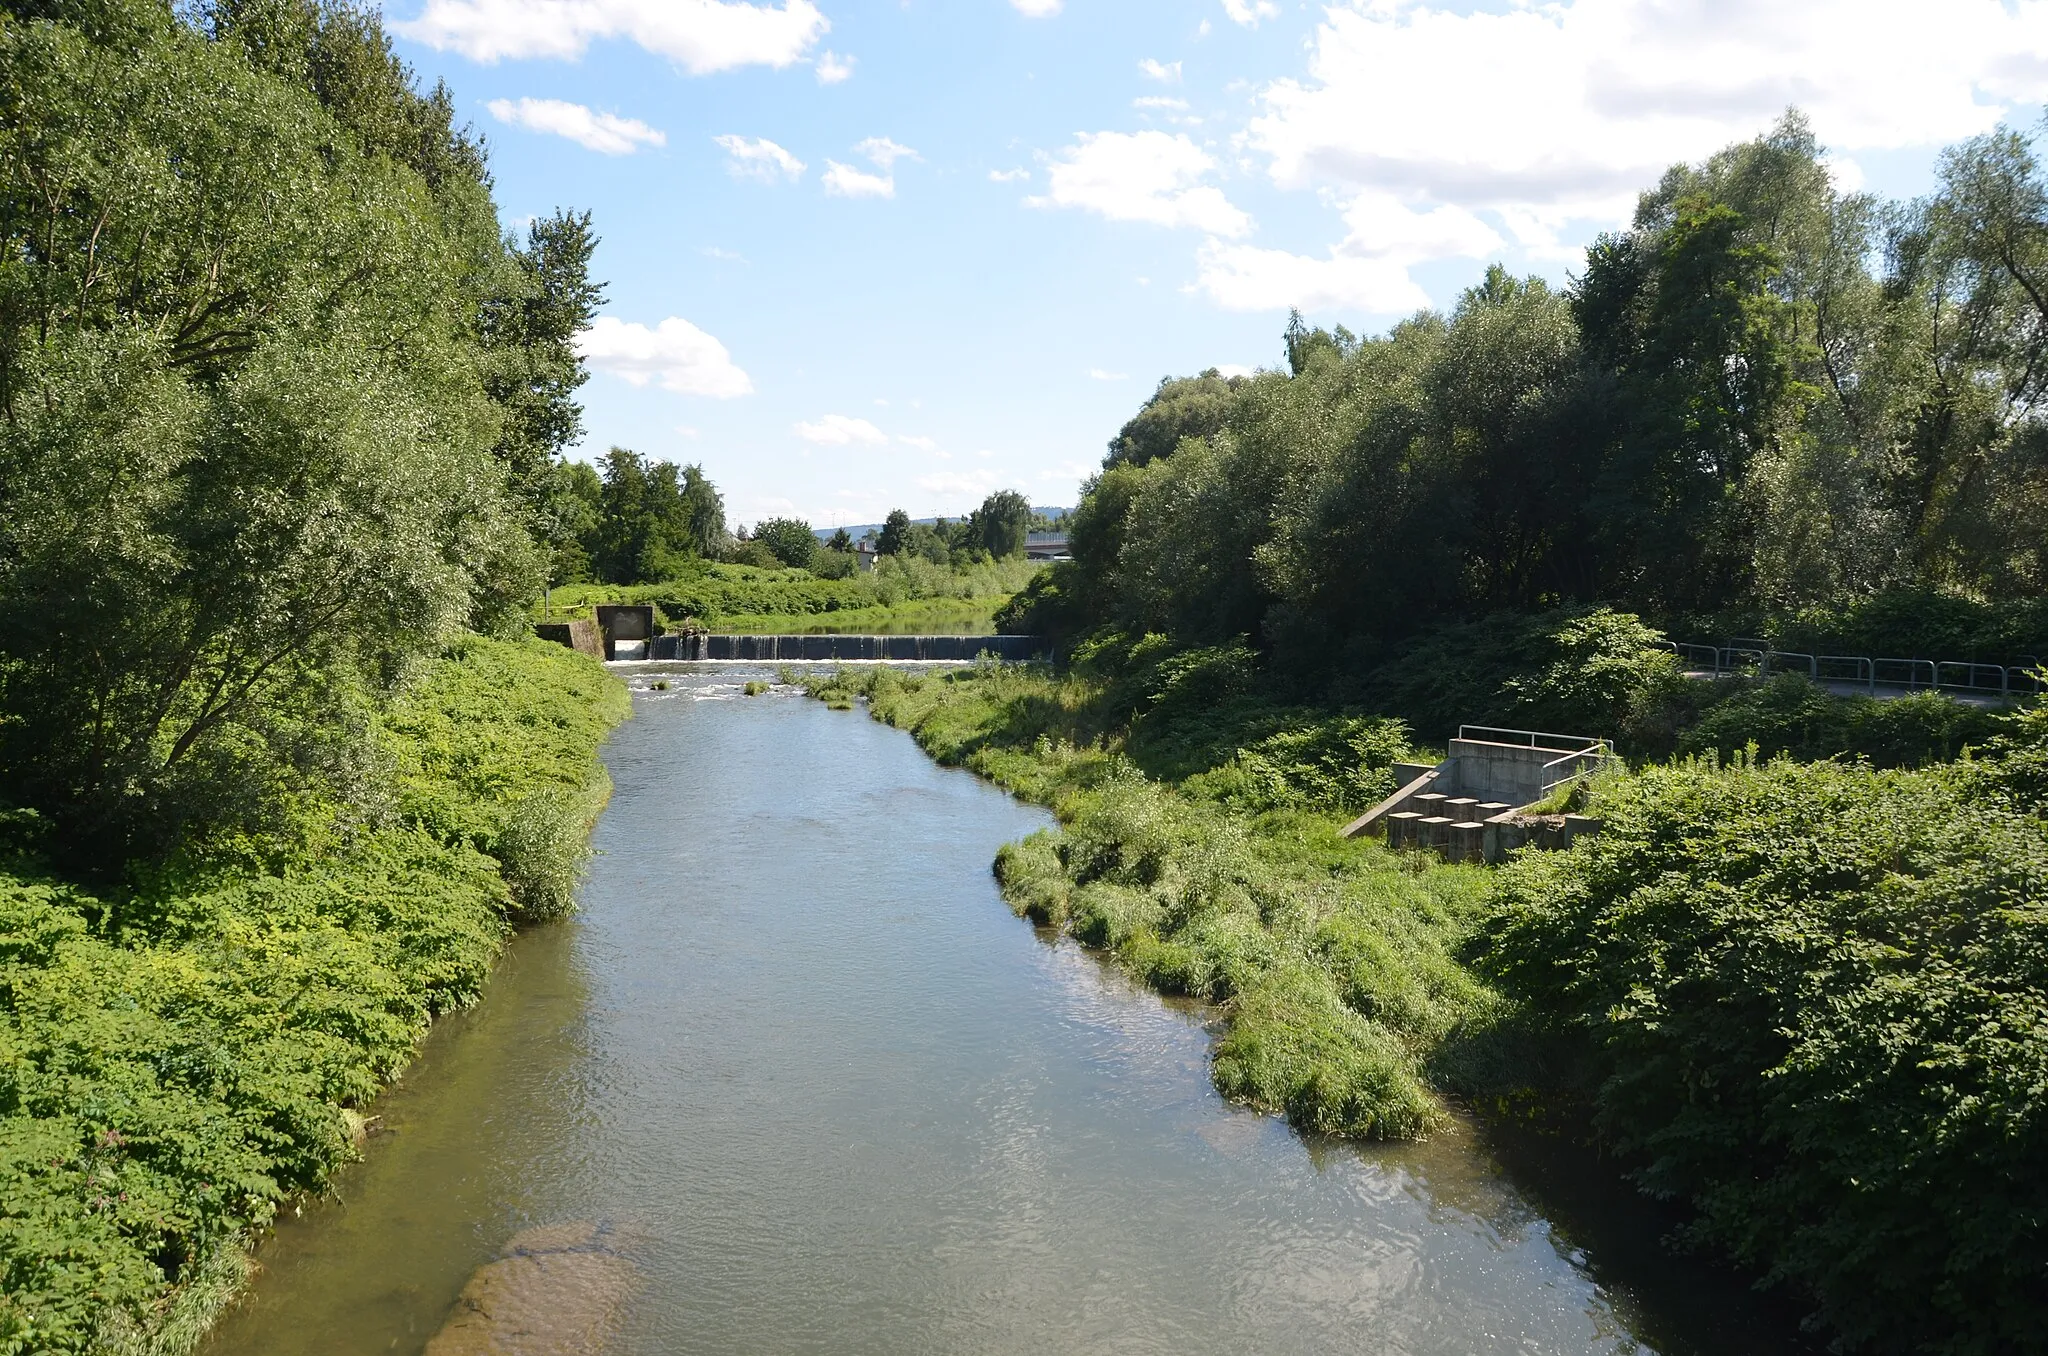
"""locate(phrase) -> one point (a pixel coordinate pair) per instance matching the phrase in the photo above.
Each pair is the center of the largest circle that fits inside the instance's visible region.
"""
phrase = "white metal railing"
(1527, 739)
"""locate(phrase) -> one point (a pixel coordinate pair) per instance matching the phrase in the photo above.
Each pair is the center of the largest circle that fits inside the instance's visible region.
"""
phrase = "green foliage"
(654, 520)
(1791, 715)
(1002, 523)
(1767, 406)
(1574, 671)
(1192, 407)
(491, 750)
(261, 384)
(182, 1057)
(1815, 994)
(900, 591)
(790, 539)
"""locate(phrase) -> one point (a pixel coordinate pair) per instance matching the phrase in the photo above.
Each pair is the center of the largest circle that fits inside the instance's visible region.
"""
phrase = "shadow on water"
(797, 1081)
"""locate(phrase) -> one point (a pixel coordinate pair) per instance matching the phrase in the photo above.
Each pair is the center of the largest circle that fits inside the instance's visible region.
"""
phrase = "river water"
(829, 1095)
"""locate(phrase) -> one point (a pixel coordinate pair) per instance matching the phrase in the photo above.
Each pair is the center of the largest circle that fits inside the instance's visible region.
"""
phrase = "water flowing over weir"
(785, 649)
(797, 1081)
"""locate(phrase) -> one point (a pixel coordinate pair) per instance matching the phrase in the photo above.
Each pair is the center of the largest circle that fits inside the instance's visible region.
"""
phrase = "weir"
(778, 649)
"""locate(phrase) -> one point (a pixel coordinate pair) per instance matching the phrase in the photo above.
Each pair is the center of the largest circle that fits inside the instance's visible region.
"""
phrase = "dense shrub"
(1819, 996)
(179, 1058)
(1790, 714)
(1572, 671)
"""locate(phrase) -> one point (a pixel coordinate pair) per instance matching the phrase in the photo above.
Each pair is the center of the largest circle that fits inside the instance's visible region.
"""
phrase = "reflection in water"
(850, 1104)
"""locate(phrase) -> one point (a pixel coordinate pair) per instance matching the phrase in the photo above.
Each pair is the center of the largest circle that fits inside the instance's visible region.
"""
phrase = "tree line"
(1767, 400)
(635, 520)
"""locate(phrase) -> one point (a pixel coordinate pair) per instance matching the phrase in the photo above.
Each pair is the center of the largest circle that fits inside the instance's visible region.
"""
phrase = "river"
(824, 1093)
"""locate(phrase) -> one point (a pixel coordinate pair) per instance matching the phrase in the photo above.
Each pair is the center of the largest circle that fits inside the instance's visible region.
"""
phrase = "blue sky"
(866, 254)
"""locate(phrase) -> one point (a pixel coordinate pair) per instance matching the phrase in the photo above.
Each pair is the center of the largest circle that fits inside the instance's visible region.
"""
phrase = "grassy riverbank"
(183, 1055)
(901, 595)
(1805, 1002)
(1222, 876)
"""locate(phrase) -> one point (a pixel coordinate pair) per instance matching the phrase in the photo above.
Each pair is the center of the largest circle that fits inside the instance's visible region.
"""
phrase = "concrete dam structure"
(827, 649)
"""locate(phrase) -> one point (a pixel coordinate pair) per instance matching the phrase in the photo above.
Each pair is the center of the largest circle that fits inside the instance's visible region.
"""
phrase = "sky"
(875, 254)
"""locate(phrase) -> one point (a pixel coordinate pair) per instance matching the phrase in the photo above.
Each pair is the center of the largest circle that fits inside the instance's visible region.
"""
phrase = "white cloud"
(1100, 374)
(714, 252)
(1249, 12)
(1561, 113)
(1247, 278)
(1008, 176)
(833, 68)
(602, 132)
(1366, 270)
(844, 181)
(676, 353)
(1166, 72)
(1037, 9)
(840, 430)
(759, 158)
(922, 444)
(1235, 370)
(1164, 102)
(700, 35)
(964, 484)
(1142, 176)
(885, 153)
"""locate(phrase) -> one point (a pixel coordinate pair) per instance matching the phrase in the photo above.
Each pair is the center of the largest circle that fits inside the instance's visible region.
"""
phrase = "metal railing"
(1743, 657)
(1527, 739)
(1593, 756)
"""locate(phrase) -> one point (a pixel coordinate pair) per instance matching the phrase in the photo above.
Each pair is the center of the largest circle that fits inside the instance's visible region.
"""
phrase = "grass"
(1333, 959)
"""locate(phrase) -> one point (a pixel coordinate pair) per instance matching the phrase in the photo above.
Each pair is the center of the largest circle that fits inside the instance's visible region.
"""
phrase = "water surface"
(796, 1048)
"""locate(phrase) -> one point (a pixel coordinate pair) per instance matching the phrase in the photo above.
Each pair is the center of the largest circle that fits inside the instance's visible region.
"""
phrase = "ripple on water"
(850, 1104)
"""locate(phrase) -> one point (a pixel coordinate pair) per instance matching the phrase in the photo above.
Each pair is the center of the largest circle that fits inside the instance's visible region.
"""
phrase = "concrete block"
(580, 636)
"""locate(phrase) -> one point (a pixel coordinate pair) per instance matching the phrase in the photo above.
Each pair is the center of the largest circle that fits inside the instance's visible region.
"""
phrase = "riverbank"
(185, 1056)
(1224, 877)
(1806, 1004)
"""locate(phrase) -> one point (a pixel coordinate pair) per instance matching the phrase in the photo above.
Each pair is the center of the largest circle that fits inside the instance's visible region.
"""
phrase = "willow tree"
(247, 467)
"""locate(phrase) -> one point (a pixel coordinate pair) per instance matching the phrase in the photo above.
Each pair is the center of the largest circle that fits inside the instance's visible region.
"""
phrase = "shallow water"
(840, 1100)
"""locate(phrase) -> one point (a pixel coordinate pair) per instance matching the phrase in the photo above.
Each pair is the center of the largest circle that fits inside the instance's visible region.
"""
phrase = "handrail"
(1746, 654)
(1529, 737)
(1599, 750)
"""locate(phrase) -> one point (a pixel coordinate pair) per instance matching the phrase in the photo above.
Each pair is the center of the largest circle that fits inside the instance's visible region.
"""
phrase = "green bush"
(1790, 714)
(178, 1059)
(1571, 671)
(1818, 999)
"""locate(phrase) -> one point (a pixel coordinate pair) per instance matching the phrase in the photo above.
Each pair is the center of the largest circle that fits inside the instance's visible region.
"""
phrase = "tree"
(703, 513)
(895, 538)
(1188, 407)
(246, 456)
(840, 541)
(529, 329)
(1002, 524)
(791, 539)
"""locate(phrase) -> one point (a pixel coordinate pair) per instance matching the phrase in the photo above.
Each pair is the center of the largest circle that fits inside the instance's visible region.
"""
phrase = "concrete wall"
(580, 636)
(794, 649)
(1505, 772)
